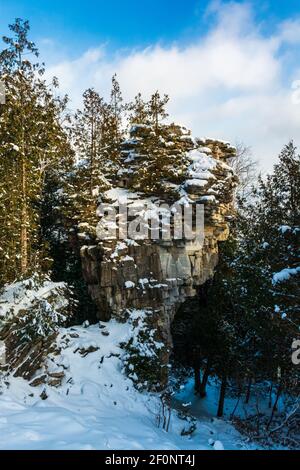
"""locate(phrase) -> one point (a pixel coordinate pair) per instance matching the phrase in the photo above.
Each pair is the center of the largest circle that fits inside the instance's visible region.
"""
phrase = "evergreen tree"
(138, 111)
(246, 335)
(32, 142)
(157, 109)
(156, 161)
(113, 130)
(155, 155)
(87, 135)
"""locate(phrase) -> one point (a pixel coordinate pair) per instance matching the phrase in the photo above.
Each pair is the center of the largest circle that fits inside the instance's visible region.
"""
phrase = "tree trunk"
(222, 397)
(236, 406)
(24, 211)
(275, 405)
(24, 235)
(248, 392)
(270, 395)
(92, 159)
(203, 384)
(197, 378)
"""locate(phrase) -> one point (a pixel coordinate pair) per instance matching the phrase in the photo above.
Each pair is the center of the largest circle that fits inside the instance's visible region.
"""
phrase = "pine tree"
(113, 130)
(138, 111)
(157, 109)
(164, 156)
(87, 135)
(246, 335)
(32, 141)
(155, 155)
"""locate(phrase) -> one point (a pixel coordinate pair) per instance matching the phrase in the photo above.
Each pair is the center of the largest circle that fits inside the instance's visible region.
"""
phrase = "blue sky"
(77, 25)
(231, 67)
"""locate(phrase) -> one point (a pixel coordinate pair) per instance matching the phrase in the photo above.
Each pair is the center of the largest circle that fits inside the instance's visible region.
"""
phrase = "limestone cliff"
(158, 275)
(143, 280)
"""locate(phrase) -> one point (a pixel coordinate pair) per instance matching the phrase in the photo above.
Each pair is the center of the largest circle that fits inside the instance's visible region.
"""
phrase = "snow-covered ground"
(97, 406)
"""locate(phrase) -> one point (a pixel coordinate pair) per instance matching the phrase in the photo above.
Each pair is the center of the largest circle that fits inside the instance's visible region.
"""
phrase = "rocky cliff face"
(141, 280)
(159, 275)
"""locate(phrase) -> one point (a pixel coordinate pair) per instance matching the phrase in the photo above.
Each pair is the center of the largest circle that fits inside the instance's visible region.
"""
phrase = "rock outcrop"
(159, 275)
(141, 279)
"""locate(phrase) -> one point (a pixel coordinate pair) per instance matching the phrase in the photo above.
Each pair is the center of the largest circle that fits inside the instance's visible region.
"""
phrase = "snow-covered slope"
(97, 407)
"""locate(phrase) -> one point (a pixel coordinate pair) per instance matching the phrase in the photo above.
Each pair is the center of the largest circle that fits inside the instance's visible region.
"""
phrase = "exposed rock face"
(143, 280)
(155, 275)
(158, 274)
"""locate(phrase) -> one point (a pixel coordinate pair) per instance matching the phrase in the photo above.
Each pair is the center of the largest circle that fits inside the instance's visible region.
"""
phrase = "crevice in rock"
(185, 348)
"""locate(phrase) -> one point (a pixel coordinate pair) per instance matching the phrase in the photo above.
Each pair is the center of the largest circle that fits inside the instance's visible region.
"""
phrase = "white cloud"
(77, 75)
(227, 84)
(289, 31)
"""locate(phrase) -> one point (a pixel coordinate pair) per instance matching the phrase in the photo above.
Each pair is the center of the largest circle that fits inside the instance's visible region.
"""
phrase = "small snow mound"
(284, 228)
(285, 274)
(218, 445)
(129, 284)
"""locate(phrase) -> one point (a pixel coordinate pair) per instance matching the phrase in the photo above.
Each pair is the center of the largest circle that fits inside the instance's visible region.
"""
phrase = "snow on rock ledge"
(159, 275)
